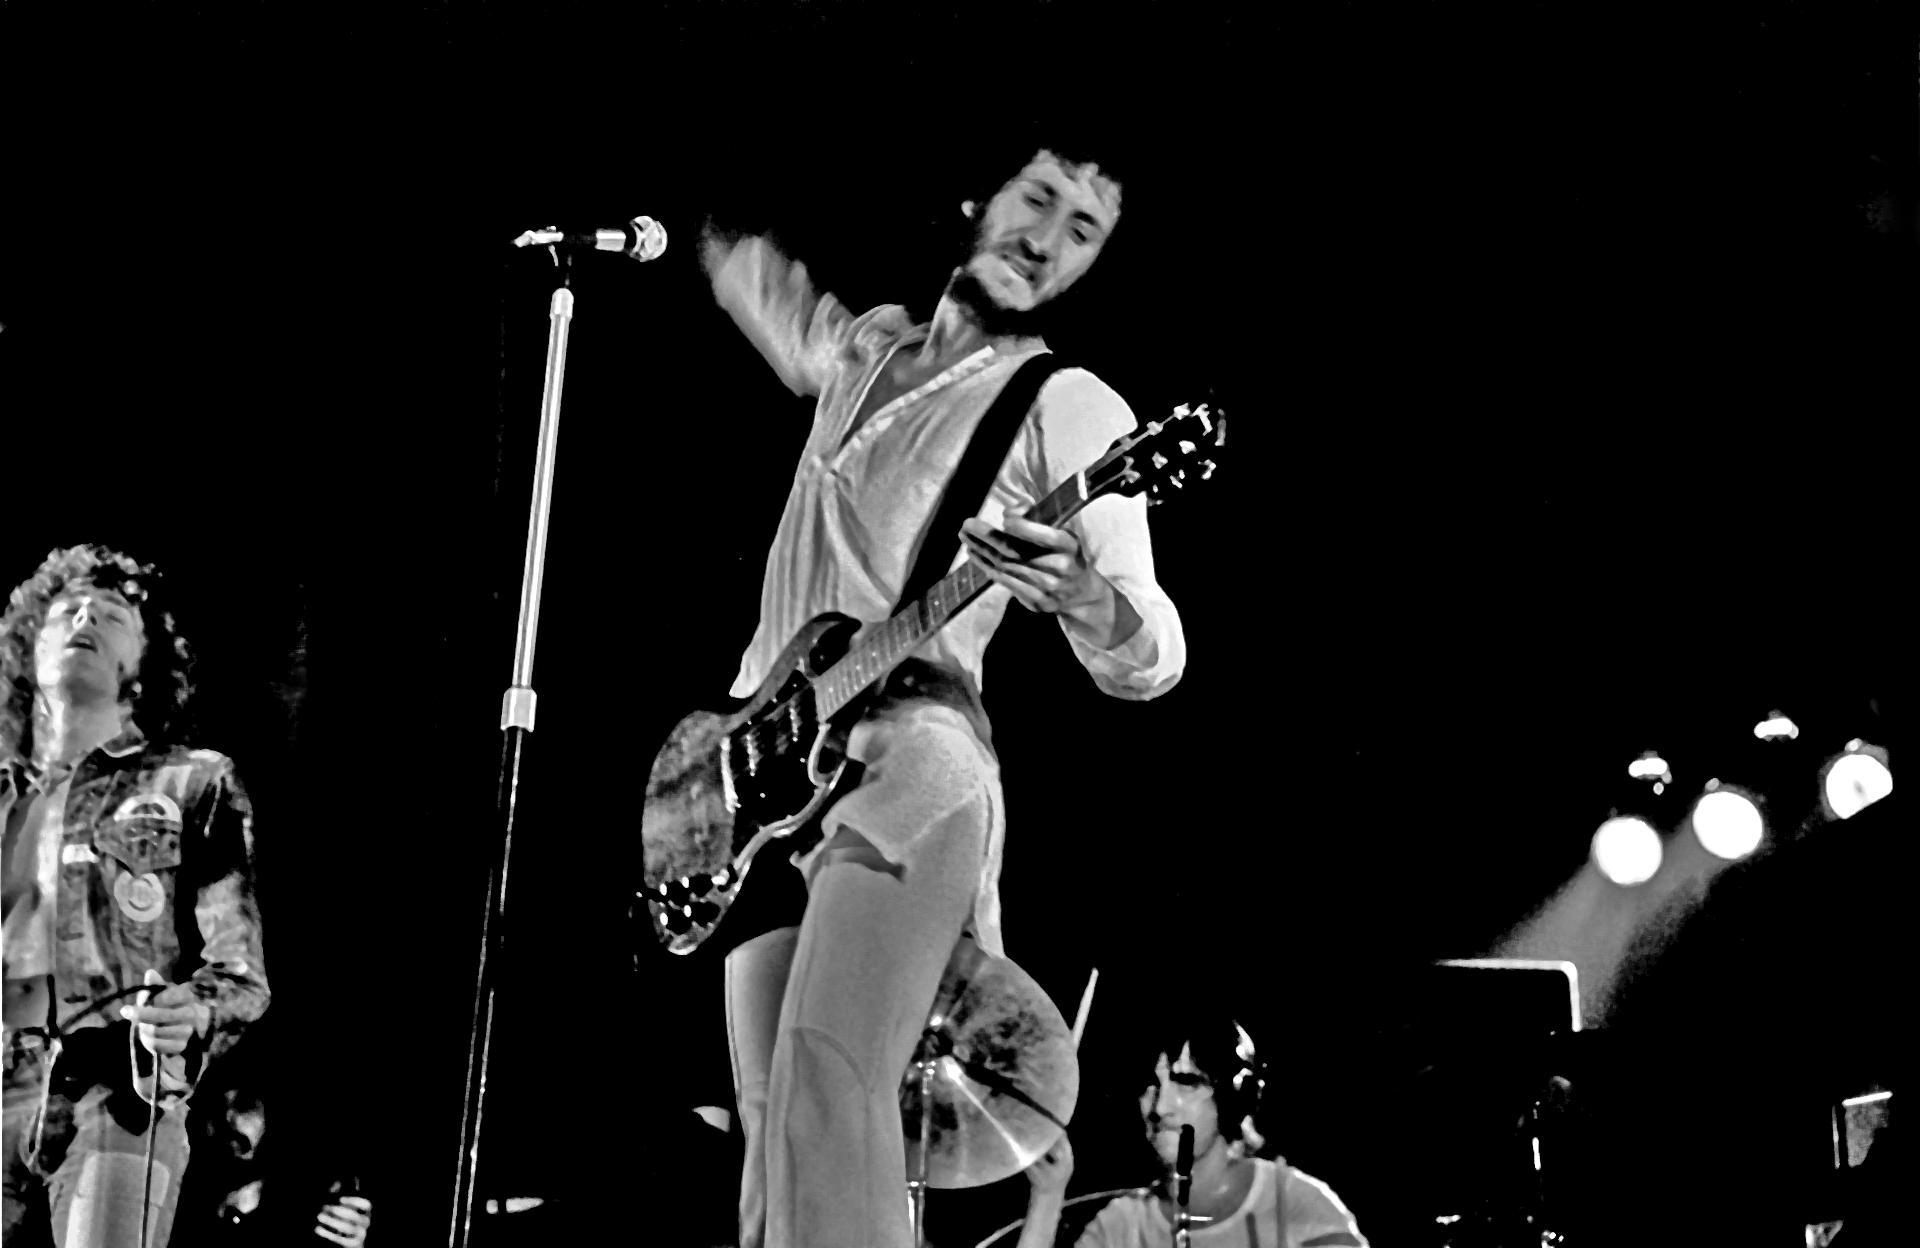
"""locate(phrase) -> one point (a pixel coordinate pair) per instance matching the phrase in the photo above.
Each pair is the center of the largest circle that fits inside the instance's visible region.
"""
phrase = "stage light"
(1855, 779)
(1726, 822)
(1651, 767)
(1627, 850)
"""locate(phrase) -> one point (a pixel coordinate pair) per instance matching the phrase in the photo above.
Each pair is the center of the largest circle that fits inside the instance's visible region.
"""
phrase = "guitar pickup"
(729, 788)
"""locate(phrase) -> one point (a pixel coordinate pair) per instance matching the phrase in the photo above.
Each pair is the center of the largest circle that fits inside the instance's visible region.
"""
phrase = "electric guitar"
(726, 784)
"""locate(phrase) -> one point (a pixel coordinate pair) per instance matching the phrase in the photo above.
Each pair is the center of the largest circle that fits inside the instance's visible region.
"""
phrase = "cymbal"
(1004, 1077)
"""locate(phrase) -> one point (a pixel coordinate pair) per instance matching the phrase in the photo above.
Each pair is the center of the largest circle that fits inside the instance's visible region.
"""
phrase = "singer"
(1207, 1077)
(822, 1021)
(128, 860)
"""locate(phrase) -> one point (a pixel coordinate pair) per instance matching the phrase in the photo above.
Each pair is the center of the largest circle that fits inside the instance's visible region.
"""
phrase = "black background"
(1564, 346)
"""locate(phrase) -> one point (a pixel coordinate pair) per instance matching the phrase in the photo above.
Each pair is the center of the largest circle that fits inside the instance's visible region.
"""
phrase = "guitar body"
(724, 785)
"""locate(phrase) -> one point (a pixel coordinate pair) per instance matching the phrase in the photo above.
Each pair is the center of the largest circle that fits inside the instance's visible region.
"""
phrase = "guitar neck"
(885, 647)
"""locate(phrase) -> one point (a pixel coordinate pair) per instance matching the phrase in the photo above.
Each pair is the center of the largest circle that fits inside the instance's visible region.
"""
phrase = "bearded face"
(1038, 236)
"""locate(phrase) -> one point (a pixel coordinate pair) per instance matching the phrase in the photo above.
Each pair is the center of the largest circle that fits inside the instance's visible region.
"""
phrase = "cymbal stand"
(927, 1061)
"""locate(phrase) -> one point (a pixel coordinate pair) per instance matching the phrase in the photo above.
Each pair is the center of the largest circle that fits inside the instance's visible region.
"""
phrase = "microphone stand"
(516, 721)
(1539, 1229)
(1182, 1190)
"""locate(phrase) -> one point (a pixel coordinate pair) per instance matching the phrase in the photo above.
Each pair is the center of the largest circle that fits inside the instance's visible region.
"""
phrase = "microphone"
(642, 238)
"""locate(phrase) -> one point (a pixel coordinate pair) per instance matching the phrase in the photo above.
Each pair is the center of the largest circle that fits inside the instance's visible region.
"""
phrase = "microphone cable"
(55, 1038)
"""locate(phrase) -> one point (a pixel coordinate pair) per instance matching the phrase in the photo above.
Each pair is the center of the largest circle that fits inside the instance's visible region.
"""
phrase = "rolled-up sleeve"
(1079, 418)
(798, 330)
(231, 979)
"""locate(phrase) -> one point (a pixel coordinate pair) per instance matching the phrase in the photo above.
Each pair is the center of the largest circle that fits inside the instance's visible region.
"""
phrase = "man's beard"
(996, 319)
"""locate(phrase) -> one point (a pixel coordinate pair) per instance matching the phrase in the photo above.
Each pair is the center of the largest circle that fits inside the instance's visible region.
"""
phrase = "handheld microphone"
(642, 239)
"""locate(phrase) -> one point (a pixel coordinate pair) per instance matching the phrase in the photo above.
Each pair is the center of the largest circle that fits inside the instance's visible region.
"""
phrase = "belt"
(88, 1055)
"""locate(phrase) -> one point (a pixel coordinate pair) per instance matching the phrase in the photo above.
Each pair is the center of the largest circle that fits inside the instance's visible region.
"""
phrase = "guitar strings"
(769, 733)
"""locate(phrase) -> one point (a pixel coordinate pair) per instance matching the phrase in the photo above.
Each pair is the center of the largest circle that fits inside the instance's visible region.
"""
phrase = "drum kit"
(994, 1081)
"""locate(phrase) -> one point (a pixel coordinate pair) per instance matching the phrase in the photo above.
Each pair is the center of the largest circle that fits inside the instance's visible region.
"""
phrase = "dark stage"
(1563, 349)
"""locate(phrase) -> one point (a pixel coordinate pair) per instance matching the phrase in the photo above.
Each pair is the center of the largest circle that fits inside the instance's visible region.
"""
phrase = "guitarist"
(128, 862)
(823, 1019)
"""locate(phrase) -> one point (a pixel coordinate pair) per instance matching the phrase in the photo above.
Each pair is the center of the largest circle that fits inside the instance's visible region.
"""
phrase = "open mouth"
(84, 643)
(1020, 269)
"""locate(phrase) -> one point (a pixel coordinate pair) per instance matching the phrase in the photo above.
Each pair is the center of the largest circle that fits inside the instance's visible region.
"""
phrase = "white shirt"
(1283, 1209)
(860, 498)
(33, 883)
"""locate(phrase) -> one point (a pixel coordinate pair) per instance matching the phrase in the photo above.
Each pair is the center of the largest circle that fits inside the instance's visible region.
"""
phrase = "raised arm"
(1046, 1195)
(772, 301)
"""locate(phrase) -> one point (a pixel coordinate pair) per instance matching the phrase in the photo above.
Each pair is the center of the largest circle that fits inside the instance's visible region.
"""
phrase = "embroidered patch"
(149, 806)
(141, 897)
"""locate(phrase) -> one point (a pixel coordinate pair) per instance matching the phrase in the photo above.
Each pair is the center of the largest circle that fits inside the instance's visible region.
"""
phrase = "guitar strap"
(967, 487)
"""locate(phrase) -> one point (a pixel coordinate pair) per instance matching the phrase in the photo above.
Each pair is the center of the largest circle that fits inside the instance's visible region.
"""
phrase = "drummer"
(1208, 1077)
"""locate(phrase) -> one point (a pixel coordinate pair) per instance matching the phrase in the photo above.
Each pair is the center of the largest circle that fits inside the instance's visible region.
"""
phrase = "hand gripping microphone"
(642, 238)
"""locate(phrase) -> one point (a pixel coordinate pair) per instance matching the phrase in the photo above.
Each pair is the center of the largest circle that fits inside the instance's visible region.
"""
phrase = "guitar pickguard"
(723, 786)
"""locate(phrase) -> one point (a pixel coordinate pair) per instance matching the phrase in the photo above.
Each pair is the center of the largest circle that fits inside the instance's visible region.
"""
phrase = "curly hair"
(160, 691)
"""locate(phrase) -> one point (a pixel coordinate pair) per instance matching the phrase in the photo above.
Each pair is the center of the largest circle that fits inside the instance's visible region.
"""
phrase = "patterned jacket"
(156, 870)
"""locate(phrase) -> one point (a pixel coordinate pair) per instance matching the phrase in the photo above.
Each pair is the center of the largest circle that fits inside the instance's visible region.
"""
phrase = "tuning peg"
(1204, 422)
(1182, 410)
(1159, 460)
(1187, 448)
(1206, 474)
(1176, 479)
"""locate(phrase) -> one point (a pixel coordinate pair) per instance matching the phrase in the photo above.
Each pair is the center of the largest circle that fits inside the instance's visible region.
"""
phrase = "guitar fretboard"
(886, 646)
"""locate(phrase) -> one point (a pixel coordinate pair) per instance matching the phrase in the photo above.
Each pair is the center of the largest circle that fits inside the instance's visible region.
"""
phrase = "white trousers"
(822, 1019)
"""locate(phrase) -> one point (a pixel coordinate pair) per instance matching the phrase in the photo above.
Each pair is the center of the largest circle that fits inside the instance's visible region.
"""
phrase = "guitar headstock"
(1163, 456)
